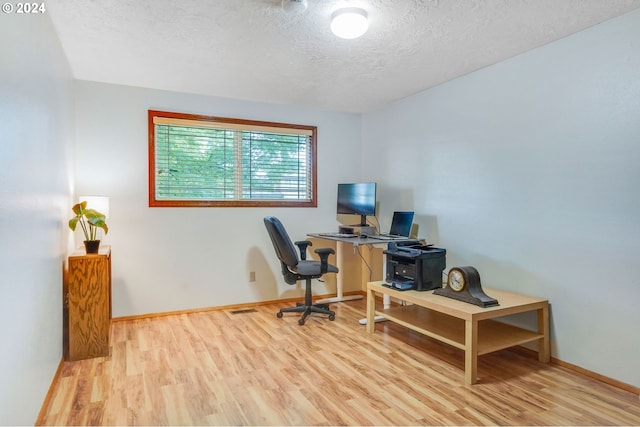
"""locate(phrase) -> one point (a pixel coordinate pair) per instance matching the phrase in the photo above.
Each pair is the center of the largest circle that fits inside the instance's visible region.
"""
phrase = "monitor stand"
(363, 222)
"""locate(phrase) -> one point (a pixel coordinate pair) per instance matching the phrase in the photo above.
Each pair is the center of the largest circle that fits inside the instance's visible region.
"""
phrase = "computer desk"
(370, 257)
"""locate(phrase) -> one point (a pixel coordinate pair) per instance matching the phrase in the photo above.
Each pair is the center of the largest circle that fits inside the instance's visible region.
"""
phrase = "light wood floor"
(220, 368)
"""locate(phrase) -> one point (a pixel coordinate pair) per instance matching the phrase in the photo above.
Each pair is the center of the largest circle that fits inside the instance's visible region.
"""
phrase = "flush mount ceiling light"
(297, 6)
(349, 22)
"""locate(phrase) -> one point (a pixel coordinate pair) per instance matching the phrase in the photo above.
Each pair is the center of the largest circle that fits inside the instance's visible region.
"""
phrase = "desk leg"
(544, 348)
(341, 249)
(471, 352)
(371, 311)
(385, 298)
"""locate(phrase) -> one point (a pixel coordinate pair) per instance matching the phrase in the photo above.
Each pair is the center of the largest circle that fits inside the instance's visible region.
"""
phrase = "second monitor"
(401, 224)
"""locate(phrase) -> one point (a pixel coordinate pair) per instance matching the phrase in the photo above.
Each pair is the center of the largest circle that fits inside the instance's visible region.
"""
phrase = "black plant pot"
(92, 246)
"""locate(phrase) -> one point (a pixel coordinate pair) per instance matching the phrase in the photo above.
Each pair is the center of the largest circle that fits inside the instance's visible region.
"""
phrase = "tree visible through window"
(211, 161)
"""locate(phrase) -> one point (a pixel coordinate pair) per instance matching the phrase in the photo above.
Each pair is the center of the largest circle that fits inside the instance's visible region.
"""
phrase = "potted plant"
(90, 220)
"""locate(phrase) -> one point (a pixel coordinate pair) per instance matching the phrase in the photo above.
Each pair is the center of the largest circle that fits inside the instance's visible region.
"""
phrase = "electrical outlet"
(252, 276)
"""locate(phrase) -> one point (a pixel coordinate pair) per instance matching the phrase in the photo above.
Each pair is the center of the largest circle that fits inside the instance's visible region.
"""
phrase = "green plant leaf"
(100, 224)
(79, 208)
(96, 219)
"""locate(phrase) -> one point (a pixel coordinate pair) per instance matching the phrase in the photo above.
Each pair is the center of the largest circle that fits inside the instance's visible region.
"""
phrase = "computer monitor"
(401, 223)
(357, 199)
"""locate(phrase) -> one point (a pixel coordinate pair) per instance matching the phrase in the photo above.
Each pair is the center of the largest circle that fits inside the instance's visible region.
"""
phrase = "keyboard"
(387, 237)
(336, 235)
(379, 237)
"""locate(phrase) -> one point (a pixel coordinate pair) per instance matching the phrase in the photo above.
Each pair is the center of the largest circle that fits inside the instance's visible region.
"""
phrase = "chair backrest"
(282, 244)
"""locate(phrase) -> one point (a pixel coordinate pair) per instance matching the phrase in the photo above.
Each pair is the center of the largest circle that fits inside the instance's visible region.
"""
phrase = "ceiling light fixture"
(349, 22)
(297, 6)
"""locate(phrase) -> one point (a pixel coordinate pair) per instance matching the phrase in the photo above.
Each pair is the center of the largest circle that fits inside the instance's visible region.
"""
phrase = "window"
(212, 161)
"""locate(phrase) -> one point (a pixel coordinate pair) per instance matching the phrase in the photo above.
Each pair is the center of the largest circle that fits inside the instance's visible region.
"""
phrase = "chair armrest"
(324, 253)
(302, 246)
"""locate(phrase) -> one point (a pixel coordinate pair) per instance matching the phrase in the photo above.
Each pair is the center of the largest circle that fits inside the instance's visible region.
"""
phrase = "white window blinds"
(209, 161)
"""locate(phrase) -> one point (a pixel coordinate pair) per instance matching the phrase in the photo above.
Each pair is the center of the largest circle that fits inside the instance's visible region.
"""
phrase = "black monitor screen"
(357, 199)
(401, 223)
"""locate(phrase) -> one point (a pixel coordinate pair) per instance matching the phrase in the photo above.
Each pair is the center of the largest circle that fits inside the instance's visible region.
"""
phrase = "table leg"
(544, 348)
(471, 352)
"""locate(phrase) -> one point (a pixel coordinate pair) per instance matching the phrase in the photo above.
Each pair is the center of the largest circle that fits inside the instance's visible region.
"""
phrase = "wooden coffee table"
(463, 325)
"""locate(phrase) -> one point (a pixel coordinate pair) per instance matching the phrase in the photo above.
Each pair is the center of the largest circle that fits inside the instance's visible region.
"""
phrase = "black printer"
(411, 265)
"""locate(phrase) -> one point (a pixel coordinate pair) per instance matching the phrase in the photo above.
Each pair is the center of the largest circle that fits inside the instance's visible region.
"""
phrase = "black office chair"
(294, 268)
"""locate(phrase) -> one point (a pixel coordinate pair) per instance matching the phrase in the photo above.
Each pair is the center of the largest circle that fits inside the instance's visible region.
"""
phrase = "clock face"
(456, 280)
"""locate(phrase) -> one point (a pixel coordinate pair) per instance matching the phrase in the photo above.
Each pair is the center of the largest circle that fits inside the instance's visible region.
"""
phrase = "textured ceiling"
(254, 50)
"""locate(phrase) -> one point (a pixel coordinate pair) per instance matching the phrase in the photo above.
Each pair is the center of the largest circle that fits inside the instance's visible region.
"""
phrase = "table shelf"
(428, 322)
(492, 335)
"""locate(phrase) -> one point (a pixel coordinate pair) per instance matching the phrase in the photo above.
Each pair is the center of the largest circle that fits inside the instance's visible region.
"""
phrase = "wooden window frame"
(154, 202)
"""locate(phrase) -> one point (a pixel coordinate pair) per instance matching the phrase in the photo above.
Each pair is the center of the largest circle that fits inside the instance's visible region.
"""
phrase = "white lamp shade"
(98, 203)
(349, 22)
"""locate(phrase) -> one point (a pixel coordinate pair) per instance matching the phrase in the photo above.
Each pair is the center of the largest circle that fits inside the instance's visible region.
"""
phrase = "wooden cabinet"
(87, 304)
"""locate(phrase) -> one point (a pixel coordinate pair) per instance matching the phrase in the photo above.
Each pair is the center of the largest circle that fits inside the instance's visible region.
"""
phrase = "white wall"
(168, 259)
(36, 155)
(529, 170)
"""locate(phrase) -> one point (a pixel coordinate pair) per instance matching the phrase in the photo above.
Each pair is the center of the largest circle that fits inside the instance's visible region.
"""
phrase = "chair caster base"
(306, 310)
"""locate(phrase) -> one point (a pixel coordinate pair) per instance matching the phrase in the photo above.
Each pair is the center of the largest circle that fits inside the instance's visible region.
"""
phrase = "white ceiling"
(254, 50)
